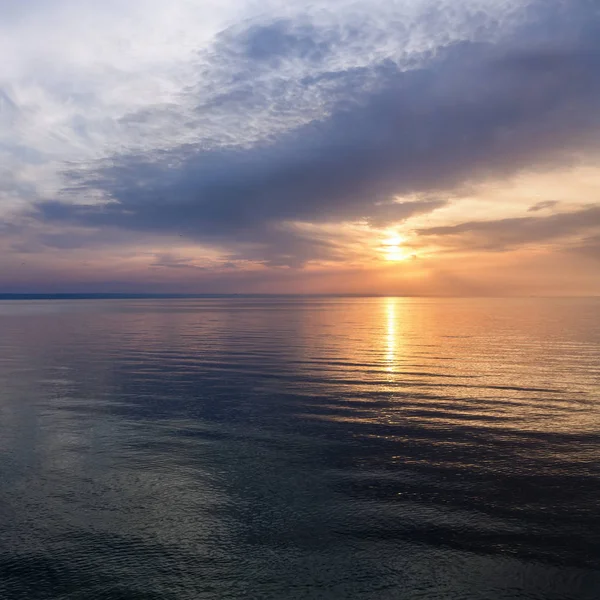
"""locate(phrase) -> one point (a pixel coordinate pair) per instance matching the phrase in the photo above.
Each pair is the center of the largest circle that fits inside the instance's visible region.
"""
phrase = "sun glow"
(393, 250)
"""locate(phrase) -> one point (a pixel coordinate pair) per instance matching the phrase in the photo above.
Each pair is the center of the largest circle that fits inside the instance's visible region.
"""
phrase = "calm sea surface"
(299, 448)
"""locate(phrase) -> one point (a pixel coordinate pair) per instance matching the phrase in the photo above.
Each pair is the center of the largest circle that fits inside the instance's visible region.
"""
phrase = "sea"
(289, 447)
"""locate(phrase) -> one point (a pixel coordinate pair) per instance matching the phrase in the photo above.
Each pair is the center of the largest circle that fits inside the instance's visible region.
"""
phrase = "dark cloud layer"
(502, 234)
(469, 111)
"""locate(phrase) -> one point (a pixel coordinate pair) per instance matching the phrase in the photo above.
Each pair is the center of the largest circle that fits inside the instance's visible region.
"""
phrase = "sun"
(393, 250)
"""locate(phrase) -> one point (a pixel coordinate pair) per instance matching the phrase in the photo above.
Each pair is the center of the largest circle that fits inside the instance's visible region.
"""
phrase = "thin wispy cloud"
(503, 234)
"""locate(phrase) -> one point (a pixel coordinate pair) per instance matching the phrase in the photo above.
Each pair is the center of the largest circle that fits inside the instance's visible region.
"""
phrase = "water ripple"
(300, 448)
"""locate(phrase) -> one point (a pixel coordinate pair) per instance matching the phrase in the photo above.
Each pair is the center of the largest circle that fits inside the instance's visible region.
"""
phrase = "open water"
(299, 448)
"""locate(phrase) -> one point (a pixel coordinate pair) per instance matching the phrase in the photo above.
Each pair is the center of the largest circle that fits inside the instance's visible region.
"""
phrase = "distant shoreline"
(133, 296)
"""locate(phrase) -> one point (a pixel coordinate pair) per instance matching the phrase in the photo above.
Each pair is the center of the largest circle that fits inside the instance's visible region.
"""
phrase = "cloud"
(589, 247)
(170, 261)
(503, 234)
(542, 205)
(357, 138)
(259, 129)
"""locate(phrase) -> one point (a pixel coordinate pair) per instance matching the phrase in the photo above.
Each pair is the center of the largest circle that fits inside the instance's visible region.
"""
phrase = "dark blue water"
(277, 448)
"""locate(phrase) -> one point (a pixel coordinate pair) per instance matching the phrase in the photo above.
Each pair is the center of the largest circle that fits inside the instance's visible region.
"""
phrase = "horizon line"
(175, 295)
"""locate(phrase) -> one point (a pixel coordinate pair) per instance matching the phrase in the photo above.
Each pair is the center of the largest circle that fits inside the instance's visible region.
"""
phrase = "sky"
(401, 147)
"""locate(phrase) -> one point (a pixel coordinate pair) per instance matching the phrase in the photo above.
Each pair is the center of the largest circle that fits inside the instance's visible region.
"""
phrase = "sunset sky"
(369, 146)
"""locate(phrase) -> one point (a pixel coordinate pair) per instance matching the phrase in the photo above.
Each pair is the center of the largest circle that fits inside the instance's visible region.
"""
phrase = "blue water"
(299, 448)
